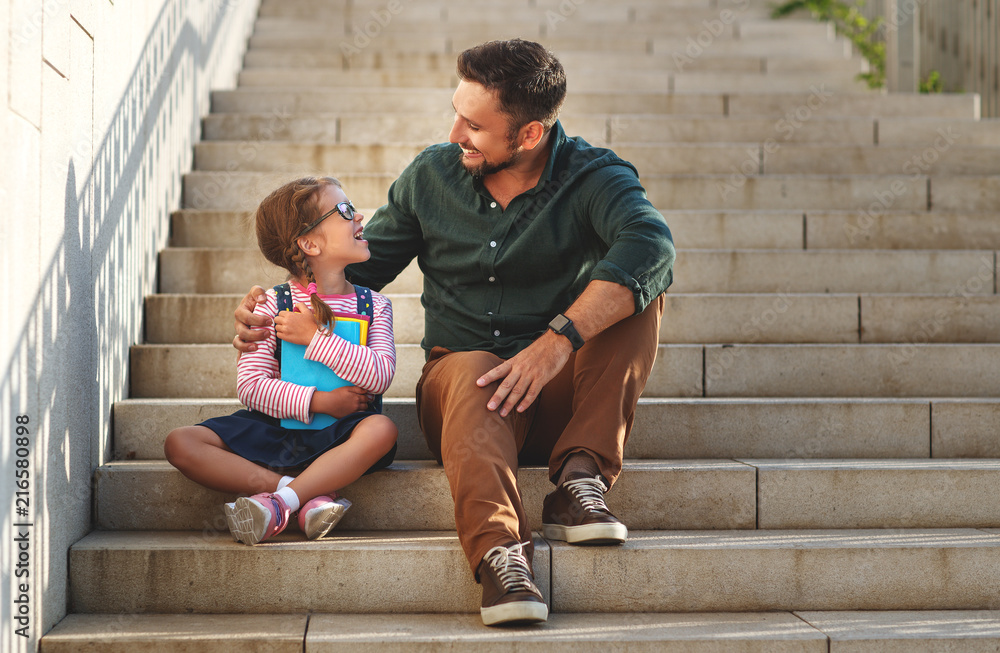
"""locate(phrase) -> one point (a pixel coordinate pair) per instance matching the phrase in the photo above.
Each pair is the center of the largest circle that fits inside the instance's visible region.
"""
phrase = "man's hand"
(297, 327)
(246, 321)
(340, 402)
(526, 374)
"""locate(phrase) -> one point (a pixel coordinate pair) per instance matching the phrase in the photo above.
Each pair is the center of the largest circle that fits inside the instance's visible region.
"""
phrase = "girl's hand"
(340, 402)
(297, 327)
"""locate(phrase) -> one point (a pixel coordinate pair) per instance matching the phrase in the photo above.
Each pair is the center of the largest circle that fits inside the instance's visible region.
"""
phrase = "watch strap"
(563, 326)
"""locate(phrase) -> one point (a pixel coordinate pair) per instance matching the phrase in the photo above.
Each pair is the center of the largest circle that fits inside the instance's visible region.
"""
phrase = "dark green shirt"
(493, 279)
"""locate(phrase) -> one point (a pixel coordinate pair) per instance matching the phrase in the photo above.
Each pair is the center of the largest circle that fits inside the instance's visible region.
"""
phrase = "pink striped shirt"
(371, 367)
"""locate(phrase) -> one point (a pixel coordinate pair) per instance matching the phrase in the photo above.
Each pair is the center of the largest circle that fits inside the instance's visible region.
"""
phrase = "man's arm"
(246, 335)
(601, 304)
(637, 268)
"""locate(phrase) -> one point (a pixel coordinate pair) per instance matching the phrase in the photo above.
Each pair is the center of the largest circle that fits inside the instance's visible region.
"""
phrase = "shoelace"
(589, 492)
(511, 567)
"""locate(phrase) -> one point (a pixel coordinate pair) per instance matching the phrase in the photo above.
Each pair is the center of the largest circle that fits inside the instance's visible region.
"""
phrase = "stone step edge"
(463, 630)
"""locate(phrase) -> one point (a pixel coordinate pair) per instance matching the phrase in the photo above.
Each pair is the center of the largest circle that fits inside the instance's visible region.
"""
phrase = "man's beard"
(486, 168)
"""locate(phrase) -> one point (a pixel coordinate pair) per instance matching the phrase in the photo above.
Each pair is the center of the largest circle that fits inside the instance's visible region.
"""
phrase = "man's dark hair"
(529, 81)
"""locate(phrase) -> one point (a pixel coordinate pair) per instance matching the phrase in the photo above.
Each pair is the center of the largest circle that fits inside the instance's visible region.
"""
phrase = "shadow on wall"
(70, 359)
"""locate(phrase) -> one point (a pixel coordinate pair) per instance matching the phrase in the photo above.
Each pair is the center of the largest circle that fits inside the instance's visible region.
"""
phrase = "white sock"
(291, 499)
(285, 480)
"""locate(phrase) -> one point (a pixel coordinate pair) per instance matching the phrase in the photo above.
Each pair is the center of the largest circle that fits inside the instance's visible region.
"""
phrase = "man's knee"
(463, 368)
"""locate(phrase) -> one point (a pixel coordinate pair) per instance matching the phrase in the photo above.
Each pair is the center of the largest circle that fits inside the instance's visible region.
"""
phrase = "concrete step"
(690, 428)
(575, 63)
(700, 42)
(935, 131)
(337, 78)
(245, 190)
(655, 571)
(742, 370)
(214, 190)
(908, 370)
(215, 270)
(894, 105)
(378, 128)
(317, 155)
(801, 106)
(696, 229)
(680, 81)
(888, 229)
(370, 129)
(878, 229)
(943, 158)
(182, 571)
(690, 318)
(834, 271)
(916, 631)
(741, 189)
(875, 494)
(670, 130)
(651, 495)
(614, 31)
(174, 371)
(778, 570)
(650, 159)
(872, 195)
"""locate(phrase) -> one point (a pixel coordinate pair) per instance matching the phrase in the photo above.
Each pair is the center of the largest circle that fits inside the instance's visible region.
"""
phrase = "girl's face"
(340, 238)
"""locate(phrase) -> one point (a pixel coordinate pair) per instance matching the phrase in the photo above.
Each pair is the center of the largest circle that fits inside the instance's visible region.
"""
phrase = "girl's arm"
(370, 367)
(257, 377)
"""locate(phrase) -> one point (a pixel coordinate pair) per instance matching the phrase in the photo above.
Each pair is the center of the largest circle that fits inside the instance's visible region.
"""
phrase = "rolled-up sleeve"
(641, 249)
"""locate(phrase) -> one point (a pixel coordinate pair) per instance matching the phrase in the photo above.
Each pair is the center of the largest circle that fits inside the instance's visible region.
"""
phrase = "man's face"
(482, 131)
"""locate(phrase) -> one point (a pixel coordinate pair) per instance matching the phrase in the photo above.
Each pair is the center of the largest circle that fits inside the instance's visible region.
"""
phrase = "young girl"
(311, 229)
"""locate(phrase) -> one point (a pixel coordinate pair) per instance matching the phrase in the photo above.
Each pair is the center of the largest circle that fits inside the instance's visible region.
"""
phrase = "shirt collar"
(558, 139)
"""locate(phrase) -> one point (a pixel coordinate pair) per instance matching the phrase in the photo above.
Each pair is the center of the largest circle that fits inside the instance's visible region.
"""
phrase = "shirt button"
(492, 279)
(493, 205)
(493, 243)
(496, 333)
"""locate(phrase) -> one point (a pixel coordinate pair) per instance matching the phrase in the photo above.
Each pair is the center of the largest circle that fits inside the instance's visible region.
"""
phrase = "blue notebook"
(296, 369)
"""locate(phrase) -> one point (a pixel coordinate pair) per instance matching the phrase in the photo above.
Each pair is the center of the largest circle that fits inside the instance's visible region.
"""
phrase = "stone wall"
(103, 103)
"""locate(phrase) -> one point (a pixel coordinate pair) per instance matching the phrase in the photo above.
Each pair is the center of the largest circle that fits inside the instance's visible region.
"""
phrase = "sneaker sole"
(587, 533)
(319, 521)
(249, 521)
(516, 612)
(230, 510)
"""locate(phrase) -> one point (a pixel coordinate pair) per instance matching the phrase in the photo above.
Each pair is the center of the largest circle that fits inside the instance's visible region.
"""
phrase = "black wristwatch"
(564, 327)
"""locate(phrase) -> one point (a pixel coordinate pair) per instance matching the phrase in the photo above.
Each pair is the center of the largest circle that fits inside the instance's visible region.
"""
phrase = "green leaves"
(865, 35)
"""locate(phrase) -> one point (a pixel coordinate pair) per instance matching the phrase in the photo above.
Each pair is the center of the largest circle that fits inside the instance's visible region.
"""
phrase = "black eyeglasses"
(345, 209)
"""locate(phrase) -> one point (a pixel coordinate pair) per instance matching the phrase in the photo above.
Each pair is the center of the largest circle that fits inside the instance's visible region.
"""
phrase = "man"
(544, 267)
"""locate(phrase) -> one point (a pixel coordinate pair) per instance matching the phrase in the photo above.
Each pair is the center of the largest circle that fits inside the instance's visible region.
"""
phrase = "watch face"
(559, 322)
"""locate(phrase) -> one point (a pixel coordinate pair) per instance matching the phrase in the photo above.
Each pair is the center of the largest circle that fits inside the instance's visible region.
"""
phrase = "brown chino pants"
(589, 406)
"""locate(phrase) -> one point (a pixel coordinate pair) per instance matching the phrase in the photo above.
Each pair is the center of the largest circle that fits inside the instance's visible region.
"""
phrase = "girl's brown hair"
(279, 222)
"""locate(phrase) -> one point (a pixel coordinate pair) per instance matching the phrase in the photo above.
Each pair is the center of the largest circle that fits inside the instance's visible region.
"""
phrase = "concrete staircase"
(815, 459)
